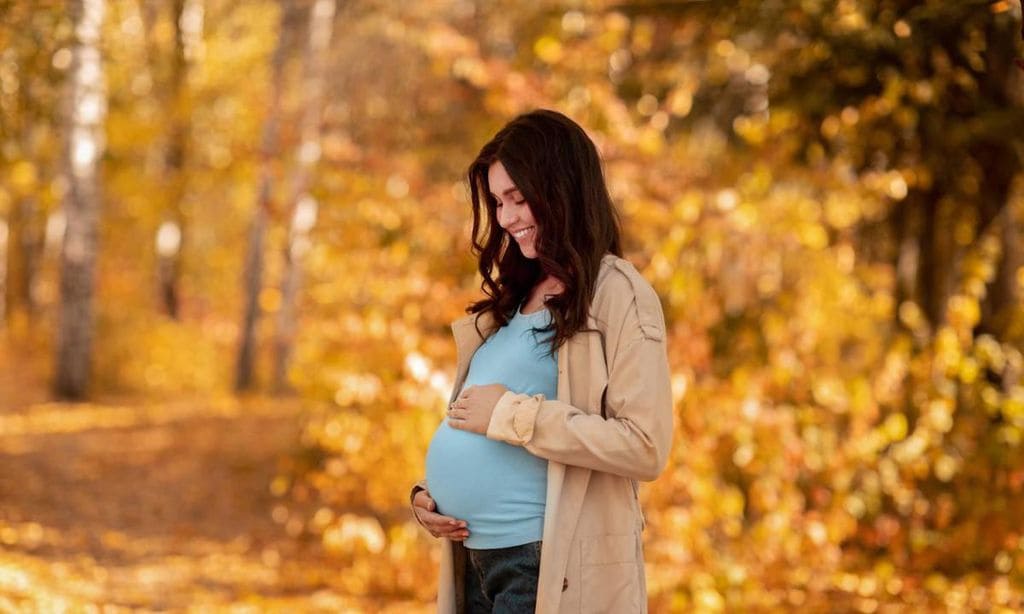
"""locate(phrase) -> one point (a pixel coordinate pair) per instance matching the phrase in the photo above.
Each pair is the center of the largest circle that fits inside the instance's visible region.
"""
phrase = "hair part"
(557, 169)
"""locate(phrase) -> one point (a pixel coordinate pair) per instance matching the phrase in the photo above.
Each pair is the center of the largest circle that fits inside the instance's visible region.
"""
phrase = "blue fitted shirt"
(497, 488)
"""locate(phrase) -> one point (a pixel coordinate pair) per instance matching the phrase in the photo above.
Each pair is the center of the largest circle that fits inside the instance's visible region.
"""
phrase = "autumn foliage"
(827, 196)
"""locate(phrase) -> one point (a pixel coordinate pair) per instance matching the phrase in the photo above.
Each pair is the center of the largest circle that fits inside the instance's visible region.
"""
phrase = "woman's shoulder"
(621, 288)
(619, 281)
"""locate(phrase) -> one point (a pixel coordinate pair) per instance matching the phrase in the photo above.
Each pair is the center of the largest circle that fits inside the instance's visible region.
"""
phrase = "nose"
(505, 216)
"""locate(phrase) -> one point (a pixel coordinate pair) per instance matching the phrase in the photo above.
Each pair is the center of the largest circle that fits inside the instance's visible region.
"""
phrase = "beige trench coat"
(610, 427)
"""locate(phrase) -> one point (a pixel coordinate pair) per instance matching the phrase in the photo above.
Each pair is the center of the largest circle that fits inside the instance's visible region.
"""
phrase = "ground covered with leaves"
(160, 505)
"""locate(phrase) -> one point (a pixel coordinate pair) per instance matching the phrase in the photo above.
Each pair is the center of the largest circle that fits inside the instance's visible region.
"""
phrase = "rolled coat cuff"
(418, 486)
(514, 417)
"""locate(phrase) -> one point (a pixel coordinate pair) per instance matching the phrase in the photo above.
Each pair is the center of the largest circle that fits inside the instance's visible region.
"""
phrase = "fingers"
(439, 525)
(459, 424)
(443, 526)
(424, 500)
(464, 396)
(457, 416)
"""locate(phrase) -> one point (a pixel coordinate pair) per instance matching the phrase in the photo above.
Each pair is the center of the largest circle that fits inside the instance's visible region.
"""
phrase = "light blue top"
(497, 488)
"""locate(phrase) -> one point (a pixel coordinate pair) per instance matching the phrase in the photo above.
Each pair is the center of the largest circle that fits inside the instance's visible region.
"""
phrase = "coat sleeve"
(632, 435)
(418, 486)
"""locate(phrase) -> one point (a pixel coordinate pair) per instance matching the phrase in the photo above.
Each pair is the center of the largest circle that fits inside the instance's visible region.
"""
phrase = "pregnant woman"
(562, 399)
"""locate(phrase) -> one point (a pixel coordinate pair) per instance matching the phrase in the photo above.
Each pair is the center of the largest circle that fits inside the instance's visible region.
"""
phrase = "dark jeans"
(502, 580)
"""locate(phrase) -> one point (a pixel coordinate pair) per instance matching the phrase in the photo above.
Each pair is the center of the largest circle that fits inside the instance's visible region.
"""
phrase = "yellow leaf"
(548, 49)
(651, 141)
(895, 427)
(23, 176)
(270, 300)
(813, 236)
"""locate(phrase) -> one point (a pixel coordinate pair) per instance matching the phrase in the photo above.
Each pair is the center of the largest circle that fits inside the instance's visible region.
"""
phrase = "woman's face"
(514, 214)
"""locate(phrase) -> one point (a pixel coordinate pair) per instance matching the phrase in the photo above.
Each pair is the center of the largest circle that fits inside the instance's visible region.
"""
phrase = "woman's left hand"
(472, 410)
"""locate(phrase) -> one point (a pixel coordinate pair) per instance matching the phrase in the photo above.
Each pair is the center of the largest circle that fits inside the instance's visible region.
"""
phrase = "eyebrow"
(506, 192)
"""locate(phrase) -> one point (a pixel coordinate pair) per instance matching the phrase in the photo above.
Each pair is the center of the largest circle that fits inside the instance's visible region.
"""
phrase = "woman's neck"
(548, 286)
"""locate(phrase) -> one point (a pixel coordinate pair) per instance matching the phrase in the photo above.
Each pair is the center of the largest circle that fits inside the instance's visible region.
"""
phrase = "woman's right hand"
(439, 525)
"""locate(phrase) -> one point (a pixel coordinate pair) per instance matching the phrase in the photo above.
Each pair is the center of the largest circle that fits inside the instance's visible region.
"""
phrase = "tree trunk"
(936, 258)
(302, 205)
(1003, 295)
(253, 277)
(1002, 164)
(4, 233)
(187, 17)
(22, 262)
(24, 227)
(83, 149)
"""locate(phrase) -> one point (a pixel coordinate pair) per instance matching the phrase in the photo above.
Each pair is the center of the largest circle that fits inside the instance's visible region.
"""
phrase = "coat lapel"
(566, 489)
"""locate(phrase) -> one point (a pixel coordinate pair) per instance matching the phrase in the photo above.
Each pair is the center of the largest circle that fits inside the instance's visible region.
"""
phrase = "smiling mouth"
(520, 234)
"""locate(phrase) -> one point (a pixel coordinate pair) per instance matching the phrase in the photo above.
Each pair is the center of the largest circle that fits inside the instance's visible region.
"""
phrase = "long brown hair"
(555, 166)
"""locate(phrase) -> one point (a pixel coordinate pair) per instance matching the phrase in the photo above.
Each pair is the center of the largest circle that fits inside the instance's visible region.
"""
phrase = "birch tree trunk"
(83, 149)
(253, 276)
(302, 208)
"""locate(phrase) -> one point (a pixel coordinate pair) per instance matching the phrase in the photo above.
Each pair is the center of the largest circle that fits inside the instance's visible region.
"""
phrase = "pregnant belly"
(487, 483)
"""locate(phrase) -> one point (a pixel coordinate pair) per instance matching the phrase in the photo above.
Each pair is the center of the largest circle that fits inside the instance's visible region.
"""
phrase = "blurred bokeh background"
(233, 234)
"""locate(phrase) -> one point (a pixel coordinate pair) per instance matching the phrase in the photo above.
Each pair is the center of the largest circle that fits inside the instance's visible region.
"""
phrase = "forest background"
(232, 235)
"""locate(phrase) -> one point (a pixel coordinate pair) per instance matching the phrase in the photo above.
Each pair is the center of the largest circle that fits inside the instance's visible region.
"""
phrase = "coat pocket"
(610, 574)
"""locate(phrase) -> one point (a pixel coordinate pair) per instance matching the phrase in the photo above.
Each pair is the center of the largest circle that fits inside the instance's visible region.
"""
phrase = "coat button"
(565, 584)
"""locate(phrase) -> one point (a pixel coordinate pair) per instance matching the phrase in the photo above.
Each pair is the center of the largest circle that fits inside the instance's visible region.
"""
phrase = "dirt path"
(155, 507)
